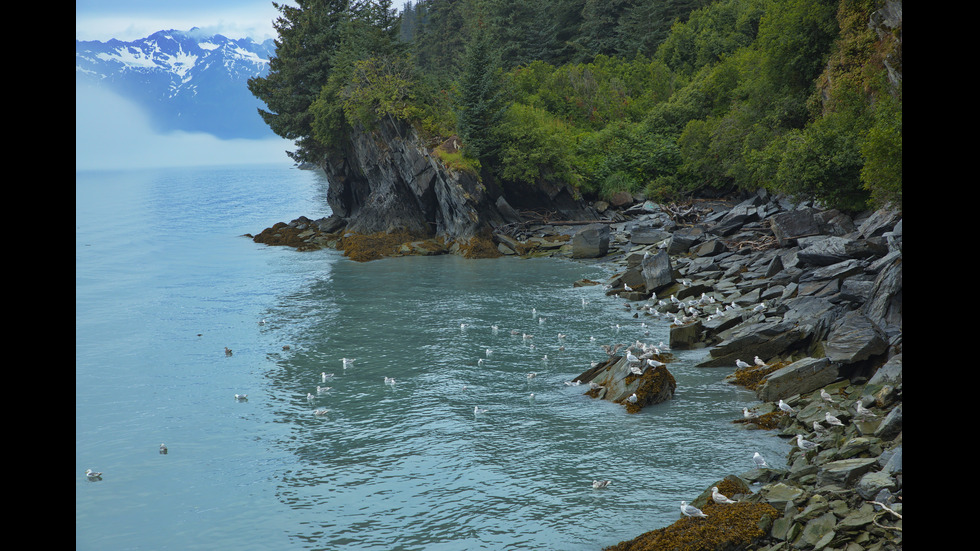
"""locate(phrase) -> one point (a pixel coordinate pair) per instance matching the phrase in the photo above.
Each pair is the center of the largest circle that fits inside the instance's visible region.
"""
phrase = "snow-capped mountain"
(184, 79)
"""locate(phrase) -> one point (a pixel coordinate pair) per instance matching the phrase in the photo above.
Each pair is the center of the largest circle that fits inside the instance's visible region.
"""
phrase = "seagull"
(831, 420)
(740, 364)
(719, 498)
(785, 407)
(321, 411)
(489, 352)
(310, 397)
(862, 411)
(478, 409)
(817, 427)
(324, 376)
(347, 362)
(691, 511)
(631, 358)
(576, 382)
(826, 396)
(636, 370)
(760, 461)
(532, 375)
(241, 397)
(599, 484)
(654, 363)
(759, 362)
(748, 414)
(805, 445)
(227, 351)
(390, 381)
(322, 389)
(632, 399)
(163, 449)
(92, 475)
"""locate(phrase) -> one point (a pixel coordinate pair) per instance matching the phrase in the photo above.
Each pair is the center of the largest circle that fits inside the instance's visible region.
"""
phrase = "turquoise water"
(165, 281)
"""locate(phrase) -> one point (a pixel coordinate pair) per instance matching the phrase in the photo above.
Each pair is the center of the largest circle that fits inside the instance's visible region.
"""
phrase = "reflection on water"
(411, 465)
(165, 281)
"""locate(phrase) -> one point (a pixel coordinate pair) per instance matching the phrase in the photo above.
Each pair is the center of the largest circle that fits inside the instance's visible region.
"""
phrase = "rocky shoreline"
(802, 304)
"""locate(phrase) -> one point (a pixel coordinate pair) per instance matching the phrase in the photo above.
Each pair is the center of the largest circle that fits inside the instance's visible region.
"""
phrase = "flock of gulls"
(639, 354)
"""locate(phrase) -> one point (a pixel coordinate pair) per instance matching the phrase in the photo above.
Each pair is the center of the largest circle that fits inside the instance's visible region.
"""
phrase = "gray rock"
(657, 271)
(869, 485)
(800, 377)
(592, 241)
(791, 225)
(765, 339)
(891, 425)
(647, 235)
(845, 472)
(854, 338)
(890, 373)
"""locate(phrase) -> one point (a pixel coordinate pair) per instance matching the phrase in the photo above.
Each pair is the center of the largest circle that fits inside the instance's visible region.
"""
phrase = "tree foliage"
(670, 96)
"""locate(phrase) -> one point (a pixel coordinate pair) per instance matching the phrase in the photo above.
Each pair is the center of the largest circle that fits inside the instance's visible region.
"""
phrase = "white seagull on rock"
(805, 445)
(691, 511)
(831, 420)
(785, 407)
(826, 396)
(741, 365)
(632, 399)
(759, 362)
(719, 498)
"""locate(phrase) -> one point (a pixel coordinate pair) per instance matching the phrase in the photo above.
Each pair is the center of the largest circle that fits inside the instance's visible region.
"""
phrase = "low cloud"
(114, 133)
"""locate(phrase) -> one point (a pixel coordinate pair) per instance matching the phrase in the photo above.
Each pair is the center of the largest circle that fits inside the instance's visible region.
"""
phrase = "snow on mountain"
(185, 81)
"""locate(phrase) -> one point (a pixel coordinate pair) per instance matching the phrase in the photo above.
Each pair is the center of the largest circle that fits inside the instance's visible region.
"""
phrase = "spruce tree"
(479, 105)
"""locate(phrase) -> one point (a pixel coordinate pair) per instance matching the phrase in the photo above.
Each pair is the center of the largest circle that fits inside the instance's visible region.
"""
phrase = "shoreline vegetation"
(803, 304)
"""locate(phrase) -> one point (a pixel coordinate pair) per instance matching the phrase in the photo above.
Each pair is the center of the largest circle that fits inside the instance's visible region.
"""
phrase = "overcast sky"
(132, 19)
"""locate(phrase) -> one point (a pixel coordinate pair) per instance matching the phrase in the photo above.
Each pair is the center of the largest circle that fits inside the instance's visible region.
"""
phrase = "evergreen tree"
(479, 105)
(308, 34)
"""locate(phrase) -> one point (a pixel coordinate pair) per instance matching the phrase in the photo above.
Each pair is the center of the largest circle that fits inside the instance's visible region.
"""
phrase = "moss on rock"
(727, 528)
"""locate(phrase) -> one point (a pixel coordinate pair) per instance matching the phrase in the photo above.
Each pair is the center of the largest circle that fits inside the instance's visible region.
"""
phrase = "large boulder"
(592, 241)
(763, 339)
(799, 377)
(657, 271)
(854, 338)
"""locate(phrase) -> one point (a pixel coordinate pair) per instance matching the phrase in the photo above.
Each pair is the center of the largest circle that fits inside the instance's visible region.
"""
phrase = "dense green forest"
(671, 97)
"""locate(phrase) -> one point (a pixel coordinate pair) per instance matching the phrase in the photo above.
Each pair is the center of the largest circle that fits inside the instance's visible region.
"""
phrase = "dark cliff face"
(386, 179)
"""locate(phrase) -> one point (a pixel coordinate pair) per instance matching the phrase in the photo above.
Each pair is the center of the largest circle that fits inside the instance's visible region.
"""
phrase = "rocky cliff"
(386, 179)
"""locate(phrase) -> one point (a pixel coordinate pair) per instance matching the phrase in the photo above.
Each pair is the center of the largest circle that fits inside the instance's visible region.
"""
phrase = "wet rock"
(657, 271)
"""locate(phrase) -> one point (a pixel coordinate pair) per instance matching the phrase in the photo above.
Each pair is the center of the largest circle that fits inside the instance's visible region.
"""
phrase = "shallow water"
(165, 281)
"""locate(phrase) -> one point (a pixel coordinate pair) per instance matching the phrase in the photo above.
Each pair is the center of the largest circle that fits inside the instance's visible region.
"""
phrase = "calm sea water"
(165, 281)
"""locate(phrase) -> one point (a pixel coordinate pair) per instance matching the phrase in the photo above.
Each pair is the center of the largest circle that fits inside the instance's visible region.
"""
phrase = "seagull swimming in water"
(390, 381)
(163, 449)
(241, 397)
(599, 484)
(478, 409)
(92, 475)
(322, 389)
(719, 498)
(347, 362)
(324, 376)
(320, 412)
(691, 511)
(227, 351)
(760, 461)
